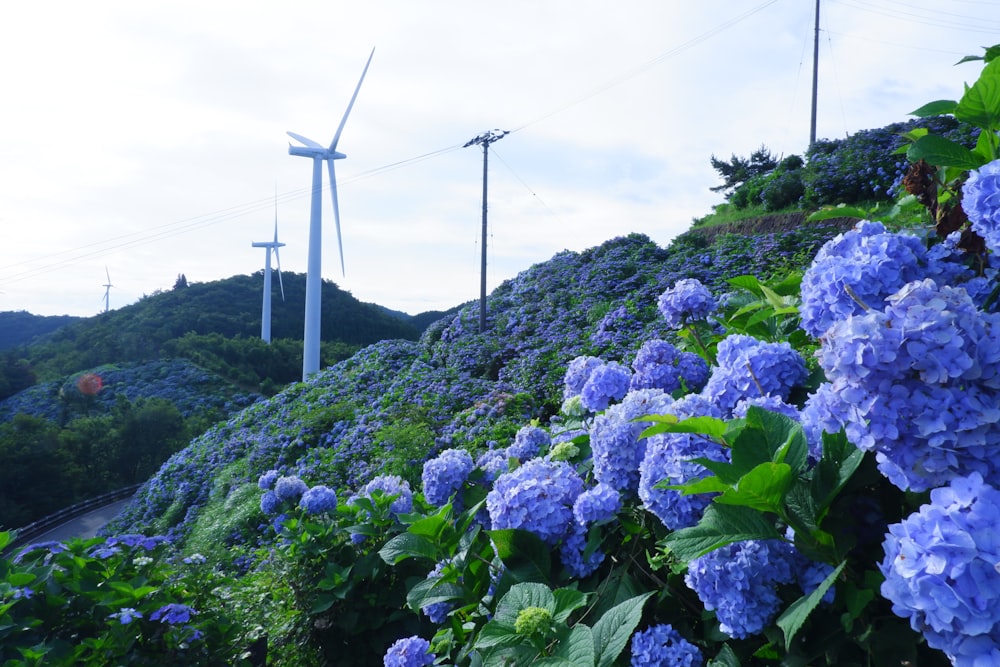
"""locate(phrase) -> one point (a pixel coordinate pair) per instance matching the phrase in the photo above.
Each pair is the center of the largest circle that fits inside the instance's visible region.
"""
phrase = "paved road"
(85, 525)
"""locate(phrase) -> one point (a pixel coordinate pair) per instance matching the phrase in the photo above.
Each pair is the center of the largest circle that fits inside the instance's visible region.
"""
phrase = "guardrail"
(25, 534)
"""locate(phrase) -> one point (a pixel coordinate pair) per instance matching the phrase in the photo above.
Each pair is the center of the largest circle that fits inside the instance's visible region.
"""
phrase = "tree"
(181, 281)
(739, 170)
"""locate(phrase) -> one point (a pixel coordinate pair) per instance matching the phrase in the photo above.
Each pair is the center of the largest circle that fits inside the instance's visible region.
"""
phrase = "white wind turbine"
(272, 246)
(314, 276)
(107, 290)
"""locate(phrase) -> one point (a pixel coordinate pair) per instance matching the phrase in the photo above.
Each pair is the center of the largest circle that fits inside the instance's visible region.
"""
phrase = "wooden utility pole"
(485, 139)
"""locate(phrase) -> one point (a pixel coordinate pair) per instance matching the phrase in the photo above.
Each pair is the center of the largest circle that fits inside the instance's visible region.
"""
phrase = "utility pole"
(485, 139)
(812, 123)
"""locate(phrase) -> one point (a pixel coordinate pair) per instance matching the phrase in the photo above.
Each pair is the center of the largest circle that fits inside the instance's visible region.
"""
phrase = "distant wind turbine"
(314, 276)
(272, 246)
(107, 290)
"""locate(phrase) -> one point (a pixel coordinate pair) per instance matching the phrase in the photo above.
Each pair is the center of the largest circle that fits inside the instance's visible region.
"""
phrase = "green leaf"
(433, 525)
(939, 151)
(725, 658)
(749, 283)
(763, 488)
(936, 108)
(407, 545)
(568, 600)
(838, 212)
(577, 648)
(526, 556)
(521, 596)
(710, 484)
(496, 634)
(980, 105)
(614, 629)
(838, 463)
(795, 616)
(720, 525)
(708, 426)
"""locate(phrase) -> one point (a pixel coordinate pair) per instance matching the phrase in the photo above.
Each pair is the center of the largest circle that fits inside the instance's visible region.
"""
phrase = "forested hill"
(18, 327)
(218, 324)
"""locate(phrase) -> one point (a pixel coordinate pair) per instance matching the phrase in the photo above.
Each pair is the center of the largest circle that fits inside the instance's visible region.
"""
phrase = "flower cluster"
(660, 365)
(597, 505)
(529, 442)
(981, 202)
(941, 571)
(444, 474)
(606, 383)
(614, 438)
(318, 500)
(750, 368)
(409, 652)
(538, 497)
(662, 646)
(688, 300)
(391, 485)
(289, 488)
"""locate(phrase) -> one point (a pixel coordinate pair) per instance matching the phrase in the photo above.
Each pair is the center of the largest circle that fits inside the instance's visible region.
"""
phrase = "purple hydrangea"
(173, 614)
(391, 485)
(577, 374)
(267, 479)
(538, 497)
(289, 488)
(608, 382)
(125, 615)
(614, 438)
(318, 500)
(269, 503)
(941, 571)
(749, 368)
(493, 463)
(529, 442)
(597, 505)
(660, 365)
(740, 582)
(981, 203)
(444, 475)
(688, 300)
(662, 646)
(409, 652)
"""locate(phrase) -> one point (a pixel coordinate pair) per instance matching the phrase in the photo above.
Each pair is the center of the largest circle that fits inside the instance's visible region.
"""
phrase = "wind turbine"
(265, 315)
(314, 276)
(107, 290)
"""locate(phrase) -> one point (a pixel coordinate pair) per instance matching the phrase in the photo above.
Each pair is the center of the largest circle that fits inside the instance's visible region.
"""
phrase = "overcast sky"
(149, 137)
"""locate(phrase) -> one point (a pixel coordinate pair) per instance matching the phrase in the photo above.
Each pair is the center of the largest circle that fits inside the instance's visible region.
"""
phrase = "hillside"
(20, 327)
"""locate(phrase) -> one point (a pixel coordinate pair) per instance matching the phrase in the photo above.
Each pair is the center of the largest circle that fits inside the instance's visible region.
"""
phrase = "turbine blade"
(281, 284)
(336, 213)
(336, 137)
(305, 141)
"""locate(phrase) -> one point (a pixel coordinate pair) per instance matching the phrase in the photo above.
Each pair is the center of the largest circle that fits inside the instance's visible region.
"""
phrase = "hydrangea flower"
(391, 485)
(318, 500)
(614, 438)
(577, 374)
(269, 503)
(662, 646)
(493, 463)
(749, 368)
(529, 442)
(574, 556)
(740, 580)
(290, 488)
(267, 479)
(409, 652)
(981, 202)
(173, 614)
(660, 365)
(125, 615)
(686, 301)
(538, 497)
(940, 570)
(437, 612)
(597, 505)
(444, 475)
(608, 382)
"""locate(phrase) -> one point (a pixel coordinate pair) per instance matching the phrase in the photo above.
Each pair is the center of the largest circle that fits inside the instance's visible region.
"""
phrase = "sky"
(143, 140)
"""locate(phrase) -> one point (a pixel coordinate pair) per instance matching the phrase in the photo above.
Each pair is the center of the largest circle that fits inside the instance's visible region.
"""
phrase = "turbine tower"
(272, 246)
(107, 290)
(314, 276)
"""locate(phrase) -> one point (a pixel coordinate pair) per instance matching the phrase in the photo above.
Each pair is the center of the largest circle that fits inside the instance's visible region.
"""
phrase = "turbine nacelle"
(319, 152)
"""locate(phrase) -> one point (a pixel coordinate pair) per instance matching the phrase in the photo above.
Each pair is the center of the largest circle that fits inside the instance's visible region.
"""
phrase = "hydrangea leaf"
(725, 658)
(575, 649)
(937, 150)
(769, 436)
(431, 591)
(613, 630)
(795, 616)
(980, 105)
(719, 526)
(935, 108)
(838, 463)
(763, 488)
(567, 600)
(526, 556)
(408, 545)
(709, 426)
(521, 596)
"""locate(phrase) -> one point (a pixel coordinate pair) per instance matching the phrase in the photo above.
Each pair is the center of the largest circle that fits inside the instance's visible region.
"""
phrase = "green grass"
(726, 213)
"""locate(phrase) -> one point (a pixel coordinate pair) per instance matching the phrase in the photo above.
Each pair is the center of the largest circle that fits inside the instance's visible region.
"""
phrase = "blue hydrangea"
(751, 368)
(981, 203)
(290, 488)
(318, 500)
(941, 571)
(529, 442)
(437, 612)
(267, 479)
(538, 497)
(740, 583)
(493, 463)
(577, 374)
(608, 382)
(824, 412)
(597, 505)
(409, 652)
(173, 614)
(769, 403)
(669, 458)
(660, 365)
(269, 503)
(574, 556)
(391, 485)
(688, 300)
(662, 646)
(444, 475)
(616, 446)
(125, 615)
